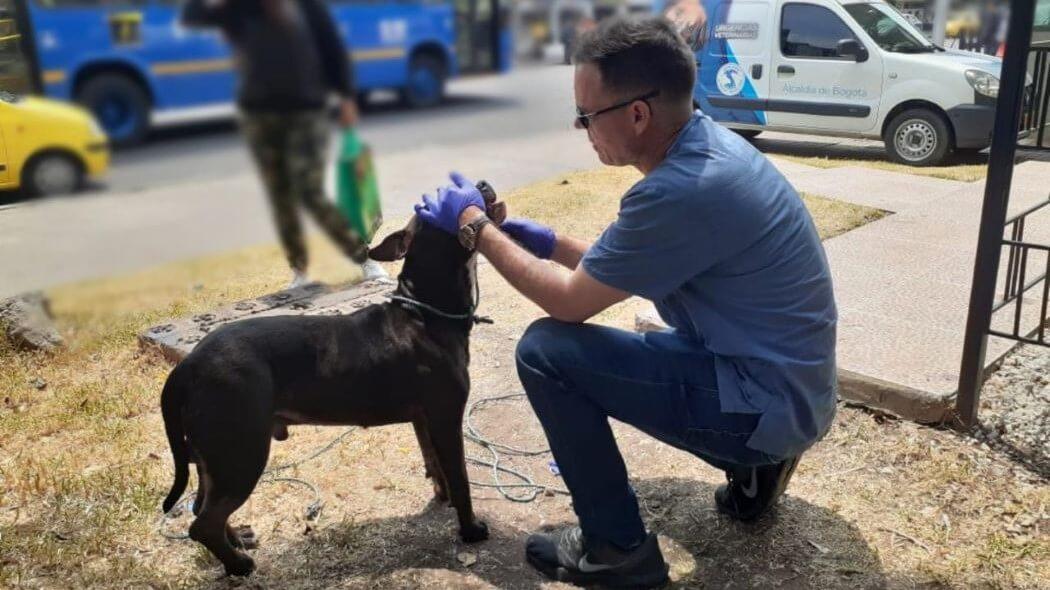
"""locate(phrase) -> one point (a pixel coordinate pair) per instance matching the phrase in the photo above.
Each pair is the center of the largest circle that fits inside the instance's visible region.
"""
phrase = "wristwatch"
(468, 234)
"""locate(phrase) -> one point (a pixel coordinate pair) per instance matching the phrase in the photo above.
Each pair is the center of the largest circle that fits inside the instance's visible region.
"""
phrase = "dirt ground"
(879, 503)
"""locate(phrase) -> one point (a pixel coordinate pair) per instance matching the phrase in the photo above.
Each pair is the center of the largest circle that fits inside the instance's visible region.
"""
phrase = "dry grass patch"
(84, 464)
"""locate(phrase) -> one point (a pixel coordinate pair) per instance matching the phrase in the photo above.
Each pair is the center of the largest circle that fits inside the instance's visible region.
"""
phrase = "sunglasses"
(583, 120)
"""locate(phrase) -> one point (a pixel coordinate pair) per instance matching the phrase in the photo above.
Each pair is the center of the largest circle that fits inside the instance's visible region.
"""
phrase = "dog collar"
(469, 315)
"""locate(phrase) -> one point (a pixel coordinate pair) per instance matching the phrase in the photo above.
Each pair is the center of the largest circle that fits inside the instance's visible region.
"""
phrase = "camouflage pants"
(289, 150)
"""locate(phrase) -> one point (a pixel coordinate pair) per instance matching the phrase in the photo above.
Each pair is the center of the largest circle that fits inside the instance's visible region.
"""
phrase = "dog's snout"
(487, 192)
(495, 209)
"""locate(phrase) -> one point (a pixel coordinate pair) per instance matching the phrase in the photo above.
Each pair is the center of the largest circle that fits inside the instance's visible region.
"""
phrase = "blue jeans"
(577, 376)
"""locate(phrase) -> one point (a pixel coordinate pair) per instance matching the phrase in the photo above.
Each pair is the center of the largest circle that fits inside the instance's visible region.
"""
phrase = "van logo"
(730, 79)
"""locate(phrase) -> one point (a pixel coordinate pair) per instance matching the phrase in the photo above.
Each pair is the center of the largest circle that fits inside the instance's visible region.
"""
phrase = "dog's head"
(437, 267)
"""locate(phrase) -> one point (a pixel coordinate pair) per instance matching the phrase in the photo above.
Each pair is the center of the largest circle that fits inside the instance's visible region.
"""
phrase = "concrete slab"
(882, 189)
(178, 338)
(909, 330)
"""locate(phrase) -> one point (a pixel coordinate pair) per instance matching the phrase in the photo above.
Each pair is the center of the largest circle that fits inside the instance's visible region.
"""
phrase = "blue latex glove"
(444, 211)
(534, 237)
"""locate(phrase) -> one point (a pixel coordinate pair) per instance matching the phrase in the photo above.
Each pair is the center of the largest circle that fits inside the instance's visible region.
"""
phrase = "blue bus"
(133, 65)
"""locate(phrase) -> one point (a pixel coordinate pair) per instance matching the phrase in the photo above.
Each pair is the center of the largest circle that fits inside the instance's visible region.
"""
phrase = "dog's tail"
(171, 401)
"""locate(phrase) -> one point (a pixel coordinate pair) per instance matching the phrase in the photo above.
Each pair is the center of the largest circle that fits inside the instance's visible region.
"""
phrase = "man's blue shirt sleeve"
(653, 247)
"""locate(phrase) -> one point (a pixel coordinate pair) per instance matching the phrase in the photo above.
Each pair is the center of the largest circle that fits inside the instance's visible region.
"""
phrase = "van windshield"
(889, 29)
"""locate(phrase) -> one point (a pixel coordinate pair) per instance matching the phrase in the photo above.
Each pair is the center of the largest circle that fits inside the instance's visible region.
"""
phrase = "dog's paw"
(243, 537)
(479, 531)
(241, 565)
(280, 431)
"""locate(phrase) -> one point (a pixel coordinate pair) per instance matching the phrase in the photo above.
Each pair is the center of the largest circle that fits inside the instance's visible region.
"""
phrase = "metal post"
(993, 211)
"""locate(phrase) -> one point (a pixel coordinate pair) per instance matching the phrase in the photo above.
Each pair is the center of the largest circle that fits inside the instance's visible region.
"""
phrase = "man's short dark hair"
(637, 55)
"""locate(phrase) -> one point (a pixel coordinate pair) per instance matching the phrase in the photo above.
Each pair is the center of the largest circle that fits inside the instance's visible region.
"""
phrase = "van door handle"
(785, 70)
(756, 72)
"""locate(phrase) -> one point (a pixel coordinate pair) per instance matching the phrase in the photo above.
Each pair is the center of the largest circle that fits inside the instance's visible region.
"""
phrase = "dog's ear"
(395, 246)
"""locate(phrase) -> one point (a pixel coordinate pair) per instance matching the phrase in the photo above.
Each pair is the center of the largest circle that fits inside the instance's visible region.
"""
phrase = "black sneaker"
(752, 491)
(561, 555)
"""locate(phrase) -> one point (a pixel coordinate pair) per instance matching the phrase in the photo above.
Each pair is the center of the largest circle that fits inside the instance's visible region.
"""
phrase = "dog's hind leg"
(230, 473)
(434, 472)
(212, 530)
(446, 434)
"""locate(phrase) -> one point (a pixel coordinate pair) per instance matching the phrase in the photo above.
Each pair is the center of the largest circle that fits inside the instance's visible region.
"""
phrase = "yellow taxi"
(48, 147)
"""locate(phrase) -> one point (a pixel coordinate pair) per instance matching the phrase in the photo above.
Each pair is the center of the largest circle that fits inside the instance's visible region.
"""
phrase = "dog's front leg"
(446, 434)
(434, 472)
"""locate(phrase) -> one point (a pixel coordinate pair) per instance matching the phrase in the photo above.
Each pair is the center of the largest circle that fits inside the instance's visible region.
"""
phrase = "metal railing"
(1017, 282)
(1017, 105)
(1036, 104)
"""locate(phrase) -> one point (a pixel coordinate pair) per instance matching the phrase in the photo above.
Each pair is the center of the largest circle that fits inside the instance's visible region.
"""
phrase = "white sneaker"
(299, 279)
(373, 271)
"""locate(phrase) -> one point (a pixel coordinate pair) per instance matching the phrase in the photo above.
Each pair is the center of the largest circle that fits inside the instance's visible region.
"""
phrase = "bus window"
(16, 71)
(477, 35)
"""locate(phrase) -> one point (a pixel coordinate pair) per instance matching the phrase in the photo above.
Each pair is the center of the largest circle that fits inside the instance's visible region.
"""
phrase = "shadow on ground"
(798, 546)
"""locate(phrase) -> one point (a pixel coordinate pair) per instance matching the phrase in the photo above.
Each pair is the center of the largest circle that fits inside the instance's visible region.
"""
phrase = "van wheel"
(918, 137)
(426, 82)
(120, 105)
(748, 133)
(52, 174)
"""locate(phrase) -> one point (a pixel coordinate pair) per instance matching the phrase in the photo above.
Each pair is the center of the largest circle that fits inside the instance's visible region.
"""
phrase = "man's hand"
(451, 204)
(348, 113)
(534, 237)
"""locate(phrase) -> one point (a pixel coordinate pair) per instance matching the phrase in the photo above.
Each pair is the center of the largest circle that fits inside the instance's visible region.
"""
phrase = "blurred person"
(568, 38)
(991, 21)
(718, 239)
(290, 59)
(690, 20)
(1000, 34)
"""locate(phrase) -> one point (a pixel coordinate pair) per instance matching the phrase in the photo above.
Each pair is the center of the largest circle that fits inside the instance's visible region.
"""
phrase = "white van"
(851, 68)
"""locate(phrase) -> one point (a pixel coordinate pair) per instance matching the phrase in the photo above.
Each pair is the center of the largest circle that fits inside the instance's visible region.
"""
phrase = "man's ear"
(394, 247)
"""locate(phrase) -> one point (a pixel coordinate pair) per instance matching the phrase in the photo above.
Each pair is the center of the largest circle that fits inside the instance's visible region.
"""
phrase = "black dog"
(389, 363)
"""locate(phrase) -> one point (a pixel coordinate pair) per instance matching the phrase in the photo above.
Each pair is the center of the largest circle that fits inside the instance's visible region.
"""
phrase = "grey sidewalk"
(902, 283)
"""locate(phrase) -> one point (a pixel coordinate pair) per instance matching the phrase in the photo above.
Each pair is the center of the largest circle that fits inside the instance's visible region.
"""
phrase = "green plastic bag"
(357, 191)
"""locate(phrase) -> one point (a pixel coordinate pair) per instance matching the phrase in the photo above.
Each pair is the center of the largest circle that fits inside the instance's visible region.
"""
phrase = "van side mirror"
(853, 48)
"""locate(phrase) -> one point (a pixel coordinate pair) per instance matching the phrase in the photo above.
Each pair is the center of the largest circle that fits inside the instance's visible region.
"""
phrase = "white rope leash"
(531, 489)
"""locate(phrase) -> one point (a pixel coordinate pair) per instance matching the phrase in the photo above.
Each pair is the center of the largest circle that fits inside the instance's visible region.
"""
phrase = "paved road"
(193, 192)
(528, 101)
